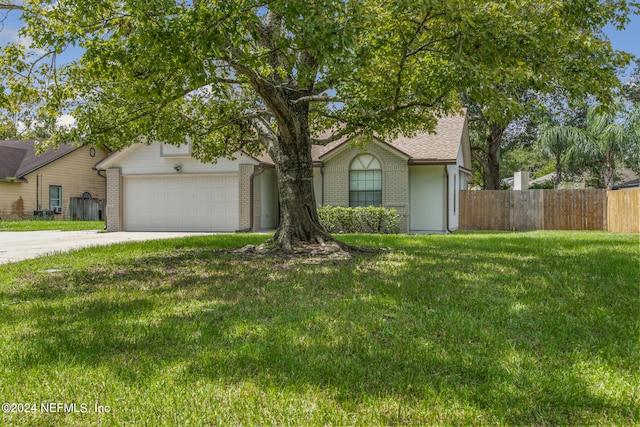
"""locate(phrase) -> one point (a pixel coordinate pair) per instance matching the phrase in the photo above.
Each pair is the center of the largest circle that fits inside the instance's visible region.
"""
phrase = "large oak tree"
(281, 75)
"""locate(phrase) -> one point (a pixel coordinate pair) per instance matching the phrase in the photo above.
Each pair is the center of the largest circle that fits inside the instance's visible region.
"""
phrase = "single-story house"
(162, 187)
(31, 183)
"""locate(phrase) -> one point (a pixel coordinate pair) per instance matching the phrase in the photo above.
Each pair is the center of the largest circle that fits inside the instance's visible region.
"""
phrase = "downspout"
(98, 171)
(446, 199)
(322, 181)
(251, 179)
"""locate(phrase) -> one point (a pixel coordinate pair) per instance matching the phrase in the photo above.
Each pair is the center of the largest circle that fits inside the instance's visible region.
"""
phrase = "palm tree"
(601, 144)
(557, 141)
(608, 142)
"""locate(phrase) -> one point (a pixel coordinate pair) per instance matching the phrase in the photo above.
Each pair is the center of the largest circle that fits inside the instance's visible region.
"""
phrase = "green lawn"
(508, 328)
(35, 225)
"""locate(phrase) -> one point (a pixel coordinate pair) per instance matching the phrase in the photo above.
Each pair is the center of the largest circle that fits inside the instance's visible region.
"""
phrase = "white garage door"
(181, 203)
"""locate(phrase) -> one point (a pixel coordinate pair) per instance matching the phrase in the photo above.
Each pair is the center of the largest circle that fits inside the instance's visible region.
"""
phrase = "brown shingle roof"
(440, 146)
(443, 145)
(18, 158)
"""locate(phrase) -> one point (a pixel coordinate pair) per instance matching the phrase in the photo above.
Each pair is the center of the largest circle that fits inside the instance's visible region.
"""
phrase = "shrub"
(377, 220)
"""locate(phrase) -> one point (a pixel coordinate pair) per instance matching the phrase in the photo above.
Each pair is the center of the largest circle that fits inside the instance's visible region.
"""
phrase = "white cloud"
(63, 121)
(21, 128)
(66, 121)
(11, 34)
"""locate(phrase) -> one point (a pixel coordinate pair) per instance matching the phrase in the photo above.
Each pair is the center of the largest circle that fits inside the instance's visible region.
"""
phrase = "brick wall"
(395, 180)
(114, 200)
(245, 195)
(257, 201)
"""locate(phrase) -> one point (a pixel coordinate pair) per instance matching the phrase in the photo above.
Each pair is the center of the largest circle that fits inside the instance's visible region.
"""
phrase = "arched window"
(365, 182)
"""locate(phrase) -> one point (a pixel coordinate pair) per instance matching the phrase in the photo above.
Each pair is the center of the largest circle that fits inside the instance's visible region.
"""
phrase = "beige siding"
(72, 172)
(146, 160)
(395, 180)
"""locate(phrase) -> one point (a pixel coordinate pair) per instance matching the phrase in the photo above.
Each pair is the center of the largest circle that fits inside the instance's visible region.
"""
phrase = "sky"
(627, 40)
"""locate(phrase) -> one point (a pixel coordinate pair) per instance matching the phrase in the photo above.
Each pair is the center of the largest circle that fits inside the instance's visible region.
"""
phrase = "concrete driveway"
(20, 245)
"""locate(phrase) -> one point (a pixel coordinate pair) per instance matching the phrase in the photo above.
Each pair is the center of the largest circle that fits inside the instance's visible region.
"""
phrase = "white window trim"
(174, 155)
(365, 162)
(59, 187)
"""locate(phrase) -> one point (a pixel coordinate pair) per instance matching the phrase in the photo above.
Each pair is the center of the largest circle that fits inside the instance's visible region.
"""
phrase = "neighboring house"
(47, 182)
(161, 187)
(634, 183)
(626, 177)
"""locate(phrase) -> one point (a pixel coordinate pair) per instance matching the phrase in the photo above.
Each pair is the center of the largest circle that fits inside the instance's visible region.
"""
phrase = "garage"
(181, 203)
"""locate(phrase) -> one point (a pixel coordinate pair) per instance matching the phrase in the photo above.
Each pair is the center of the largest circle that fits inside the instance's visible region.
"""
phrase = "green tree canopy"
(280, 75)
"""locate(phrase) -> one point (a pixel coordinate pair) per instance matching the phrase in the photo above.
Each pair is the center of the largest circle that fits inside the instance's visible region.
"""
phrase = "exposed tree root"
(329, 250)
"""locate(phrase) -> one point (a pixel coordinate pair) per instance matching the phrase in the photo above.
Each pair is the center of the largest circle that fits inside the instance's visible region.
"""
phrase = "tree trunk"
(492, 168)
(558, 171)
(299, 221)
(290, 150)
(608, 175)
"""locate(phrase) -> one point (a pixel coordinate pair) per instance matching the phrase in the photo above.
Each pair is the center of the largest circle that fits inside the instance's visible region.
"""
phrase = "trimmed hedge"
(337, 220)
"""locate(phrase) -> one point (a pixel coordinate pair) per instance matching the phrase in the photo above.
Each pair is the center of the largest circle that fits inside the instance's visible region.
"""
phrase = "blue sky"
(627, 40)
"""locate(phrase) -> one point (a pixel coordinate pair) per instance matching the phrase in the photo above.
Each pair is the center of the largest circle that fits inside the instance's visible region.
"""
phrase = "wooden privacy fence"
(85, 209)
(550, 210)
(623, 211)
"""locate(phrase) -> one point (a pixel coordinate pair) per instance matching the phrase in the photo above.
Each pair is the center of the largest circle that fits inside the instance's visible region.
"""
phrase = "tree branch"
(396, 108)
(143, 111)
(427, 46)
(334, 137)
(264, 129)
(11, 6)
(318, 98)
(230, 81)
(253, 115)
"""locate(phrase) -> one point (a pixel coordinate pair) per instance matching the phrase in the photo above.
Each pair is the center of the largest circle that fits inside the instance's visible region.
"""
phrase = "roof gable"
(114, 156)
(18, 158)
(338, 148)
(130, 157)
(440, 146)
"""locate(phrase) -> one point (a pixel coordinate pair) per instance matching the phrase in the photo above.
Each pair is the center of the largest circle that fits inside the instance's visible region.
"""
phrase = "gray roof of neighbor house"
(634, 183)
(18, 158)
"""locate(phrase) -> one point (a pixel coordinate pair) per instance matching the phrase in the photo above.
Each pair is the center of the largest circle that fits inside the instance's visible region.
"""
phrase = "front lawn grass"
(526, 328)
(37, 225)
